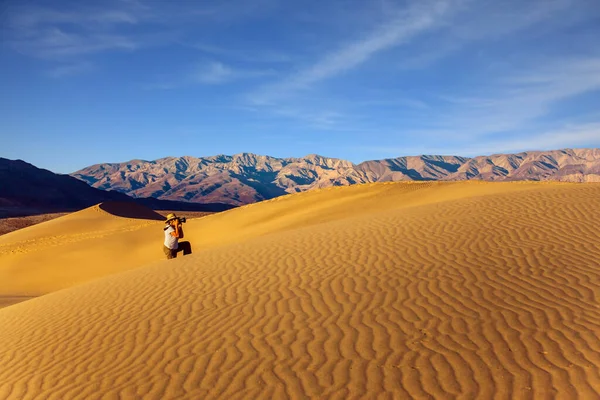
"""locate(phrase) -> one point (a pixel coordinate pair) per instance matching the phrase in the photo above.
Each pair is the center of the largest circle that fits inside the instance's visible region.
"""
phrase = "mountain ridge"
(245, 178)
(28, 190)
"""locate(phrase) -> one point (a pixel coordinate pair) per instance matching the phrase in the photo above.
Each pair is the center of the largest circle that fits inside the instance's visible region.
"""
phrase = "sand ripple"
(490, 297)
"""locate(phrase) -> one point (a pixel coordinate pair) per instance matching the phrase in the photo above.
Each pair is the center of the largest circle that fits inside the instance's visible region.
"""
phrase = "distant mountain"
(28, 190)
(246, 178)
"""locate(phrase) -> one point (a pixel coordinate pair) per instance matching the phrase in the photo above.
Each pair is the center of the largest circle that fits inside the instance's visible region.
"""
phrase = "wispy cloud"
(511, 113)
(423, 33)
(208, 73)
(55, 34)
(65, 70)
(32, 17)
(55, 43)
(578, 135)
(568, 136)
(519, 97)
(402, 27)
(216, 73)
(487, 21)
(284, 98)
(75, 32)
(322, 119)
(213, 74)
(244, 55)
(457, 74)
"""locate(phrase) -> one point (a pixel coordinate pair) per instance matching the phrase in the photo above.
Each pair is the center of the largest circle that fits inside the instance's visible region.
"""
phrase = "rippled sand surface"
(404, 290)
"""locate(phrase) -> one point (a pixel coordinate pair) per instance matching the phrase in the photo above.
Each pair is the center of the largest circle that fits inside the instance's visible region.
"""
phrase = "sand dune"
(419, 290)
(93, 243)
(72, 249)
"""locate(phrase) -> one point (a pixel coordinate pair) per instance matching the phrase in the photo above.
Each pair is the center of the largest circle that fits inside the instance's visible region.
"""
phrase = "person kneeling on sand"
(173, 232)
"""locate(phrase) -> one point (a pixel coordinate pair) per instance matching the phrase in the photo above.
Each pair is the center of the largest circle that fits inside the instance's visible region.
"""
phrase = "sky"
(86, 82)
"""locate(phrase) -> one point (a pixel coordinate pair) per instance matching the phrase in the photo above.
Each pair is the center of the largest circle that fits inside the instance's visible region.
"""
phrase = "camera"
(181, 219)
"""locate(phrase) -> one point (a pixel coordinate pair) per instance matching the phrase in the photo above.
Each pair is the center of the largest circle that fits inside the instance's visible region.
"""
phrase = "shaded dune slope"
(129, 210)
(486, 296)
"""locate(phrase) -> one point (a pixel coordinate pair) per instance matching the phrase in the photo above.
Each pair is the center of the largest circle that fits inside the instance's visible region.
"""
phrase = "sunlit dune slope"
(116, 237)
(459, 290)
(74, 248)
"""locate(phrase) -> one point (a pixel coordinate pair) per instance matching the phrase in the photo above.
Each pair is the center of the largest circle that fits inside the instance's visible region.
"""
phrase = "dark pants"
(186, 247)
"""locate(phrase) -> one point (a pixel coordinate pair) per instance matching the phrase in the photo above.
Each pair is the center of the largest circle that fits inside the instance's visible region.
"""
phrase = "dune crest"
(488, 294)
(128, 210)
(92, 243)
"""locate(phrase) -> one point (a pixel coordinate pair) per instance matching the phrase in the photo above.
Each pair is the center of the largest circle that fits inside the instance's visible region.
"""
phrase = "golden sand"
(403, 290)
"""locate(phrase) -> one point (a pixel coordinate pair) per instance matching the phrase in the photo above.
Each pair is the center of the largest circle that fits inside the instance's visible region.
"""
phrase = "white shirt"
(171, 241)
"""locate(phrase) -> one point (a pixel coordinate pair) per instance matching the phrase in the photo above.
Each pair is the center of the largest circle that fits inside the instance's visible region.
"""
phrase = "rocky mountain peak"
(246, 177)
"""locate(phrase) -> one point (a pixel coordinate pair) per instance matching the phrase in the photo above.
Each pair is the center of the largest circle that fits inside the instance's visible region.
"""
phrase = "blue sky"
(110, 81)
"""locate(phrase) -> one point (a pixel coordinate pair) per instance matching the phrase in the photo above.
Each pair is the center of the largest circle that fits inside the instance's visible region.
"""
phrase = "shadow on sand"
(130, 210)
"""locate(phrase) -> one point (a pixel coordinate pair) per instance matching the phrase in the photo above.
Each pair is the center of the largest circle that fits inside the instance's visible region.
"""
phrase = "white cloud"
(487, 21)
(70, 69)
(208, 73)
(575, 136)
(569, 136)
(55, 43)
(214, 73)
(35, 17)
(514, 97)
(401, 28)
(58, 34)
(447, 27)
(516, 100)
(82, 29)
(392, 33)
(73, 33)
(245, 55)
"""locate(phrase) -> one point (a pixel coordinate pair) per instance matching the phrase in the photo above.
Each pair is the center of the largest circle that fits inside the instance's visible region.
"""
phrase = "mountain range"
(247, 178)
(28, 190)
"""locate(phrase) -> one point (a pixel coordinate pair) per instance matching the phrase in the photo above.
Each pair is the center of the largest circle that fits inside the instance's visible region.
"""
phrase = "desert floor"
(11, 224)
(394, 291)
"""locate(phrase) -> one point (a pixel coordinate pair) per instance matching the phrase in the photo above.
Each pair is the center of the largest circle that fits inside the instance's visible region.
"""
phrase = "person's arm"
(178, 232)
